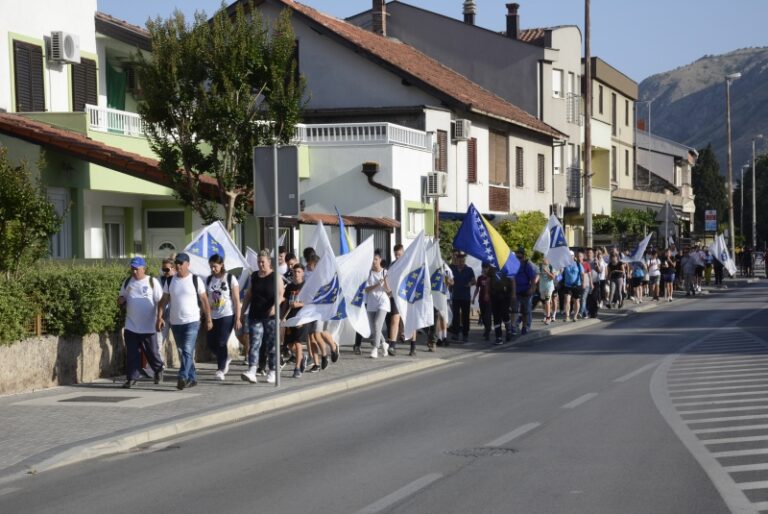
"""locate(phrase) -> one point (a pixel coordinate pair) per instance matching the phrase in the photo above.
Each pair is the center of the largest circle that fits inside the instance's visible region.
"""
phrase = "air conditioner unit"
(65, 47)
(460, 129)
(558, 210)
(437, 184)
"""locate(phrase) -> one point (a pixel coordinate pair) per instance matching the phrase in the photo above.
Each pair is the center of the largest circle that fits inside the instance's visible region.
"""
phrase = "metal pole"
(276, 222)
(731, 225)
(754, 188)
(587, 131)
(741, 209)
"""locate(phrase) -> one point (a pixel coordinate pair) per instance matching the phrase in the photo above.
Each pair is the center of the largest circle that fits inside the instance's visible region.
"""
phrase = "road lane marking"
(683, 381)
(745, 387)
(726, 440)
(736, 428)
(725, 419)
(637, 372)
(716, 382)
(401, 493)
(758, 394)
(9, 490)
(578, 401)
(513, 434)
(746, 467)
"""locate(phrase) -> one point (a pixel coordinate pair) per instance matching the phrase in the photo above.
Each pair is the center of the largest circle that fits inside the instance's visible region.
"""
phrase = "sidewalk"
(63, 425)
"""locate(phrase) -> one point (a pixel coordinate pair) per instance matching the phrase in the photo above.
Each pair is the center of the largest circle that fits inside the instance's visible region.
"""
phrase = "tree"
(212, 91)
(524, 231)
(761, 203)
(709, 187)
(27, 218)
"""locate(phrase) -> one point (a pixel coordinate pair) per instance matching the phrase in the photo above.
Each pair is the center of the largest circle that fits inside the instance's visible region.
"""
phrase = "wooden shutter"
(28, 79)
(84, 84)
(472, 160)
(519, 171)
(441, 159)
(542, 173)
(498, 168)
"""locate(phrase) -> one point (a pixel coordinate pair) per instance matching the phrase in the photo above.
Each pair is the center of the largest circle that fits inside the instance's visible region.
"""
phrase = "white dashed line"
(578, 401)
(400, 494)
(514, 434)
(637, 372)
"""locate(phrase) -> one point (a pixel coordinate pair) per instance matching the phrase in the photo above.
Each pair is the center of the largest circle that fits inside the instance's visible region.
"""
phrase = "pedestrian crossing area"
(717, 402)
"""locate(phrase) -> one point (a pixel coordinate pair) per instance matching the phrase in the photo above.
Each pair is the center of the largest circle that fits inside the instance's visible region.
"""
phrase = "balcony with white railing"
(343, 134)
(114, 121)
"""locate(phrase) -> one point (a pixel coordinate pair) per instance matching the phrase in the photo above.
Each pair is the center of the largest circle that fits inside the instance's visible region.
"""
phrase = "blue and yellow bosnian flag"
(479, 239)
(345, 242)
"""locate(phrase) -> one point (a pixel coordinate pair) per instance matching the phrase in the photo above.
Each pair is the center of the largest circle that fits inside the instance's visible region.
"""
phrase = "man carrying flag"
(478, 238)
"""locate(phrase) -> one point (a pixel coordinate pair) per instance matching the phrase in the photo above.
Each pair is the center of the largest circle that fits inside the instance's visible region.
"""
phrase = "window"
(441, 155)
(472, 160)
(571, 83)
(113, 241)
(557, 83)
(614, 106)
(557, 158)
(28, 77)
(626, 162)
(600, 99)
(415, 222)
(84, 85)
(626, 113)
(519, 171)
(613, 164)
(165, 219)
(498, 171)
(542, 174)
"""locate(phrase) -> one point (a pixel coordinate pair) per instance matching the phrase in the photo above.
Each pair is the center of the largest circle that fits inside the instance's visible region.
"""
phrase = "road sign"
(710, 221)
(264, 181)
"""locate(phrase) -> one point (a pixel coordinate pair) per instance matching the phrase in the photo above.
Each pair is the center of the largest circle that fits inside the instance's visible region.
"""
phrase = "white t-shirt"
(220, 296)
(377, 299)
(653, 268)
(141, 297)
(184, 308)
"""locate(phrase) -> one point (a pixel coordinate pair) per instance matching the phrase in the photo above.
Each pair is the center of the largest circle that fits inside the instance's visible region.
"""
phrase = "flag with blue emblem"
(409, 280)
(213, 239)
(322, 292)
(354, 268)
(719, 251)
(478, 238)
(552, 244)
(639, 253)
(437, 280)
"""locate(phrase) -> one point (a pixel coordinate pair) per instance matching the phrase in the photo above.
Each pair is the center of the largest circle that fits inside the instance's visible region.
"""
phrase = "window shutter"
(499, 169)
(519, 172)
(28, 63)
(441, 159)
(542, 174)
(84, 85)
(472, 160)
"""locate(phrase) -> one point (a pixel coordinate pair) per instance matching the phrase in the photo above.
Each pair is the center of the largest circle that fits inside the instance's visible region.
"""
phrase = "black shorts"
(699, 271)
(393, 306)
(637, 281)
(296, 334)
(574, 291)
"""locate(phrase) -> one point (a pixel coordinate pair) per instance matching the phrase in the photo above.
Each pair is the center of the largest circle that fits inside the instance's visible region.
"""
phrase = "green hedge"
(74, 299)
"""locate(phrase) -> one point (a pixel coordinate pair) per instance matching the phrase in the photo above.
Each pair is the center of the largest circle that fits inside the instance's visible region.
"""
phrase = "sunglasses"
(166, 270)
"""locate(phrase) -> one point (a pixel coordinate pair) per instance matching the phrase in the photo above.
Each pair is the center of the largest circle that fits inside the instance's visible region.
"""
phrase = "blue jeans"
(134, 345)
(522, 306)
(218, 337)
(185, 336)
(583, 306)
(261, 331)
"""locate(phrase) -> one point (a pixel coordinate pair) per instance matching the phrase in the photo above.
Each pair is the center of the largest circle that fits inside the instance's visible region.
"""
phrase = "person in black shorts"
(295, 336)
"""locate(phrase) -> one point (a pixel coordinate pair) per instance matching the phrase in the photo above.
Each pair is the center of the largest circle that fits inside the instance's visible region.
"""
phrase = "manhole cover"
(484, 451)
(99, 399)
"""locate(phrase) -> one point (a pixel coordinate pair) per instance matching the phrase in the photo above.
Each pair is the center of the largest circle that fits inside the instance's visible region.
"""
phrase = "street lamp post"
(731, 226)
(741, 211)
(754, 188)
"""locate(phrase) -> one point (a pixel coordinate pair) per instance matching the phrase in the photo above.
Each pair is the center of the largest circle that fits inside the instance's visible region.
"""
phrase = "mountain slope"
(689, 104)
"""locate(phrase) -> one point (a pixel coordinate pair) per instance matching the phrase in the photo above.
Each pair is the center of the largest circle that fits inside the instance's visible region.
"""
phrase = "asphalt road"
(610, 419)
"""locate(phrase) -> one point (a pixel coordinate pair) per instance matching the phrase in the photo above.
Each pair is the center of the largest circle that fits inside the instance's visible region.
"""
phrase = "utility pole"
(754, 188)
(731, 224)
(587, 131)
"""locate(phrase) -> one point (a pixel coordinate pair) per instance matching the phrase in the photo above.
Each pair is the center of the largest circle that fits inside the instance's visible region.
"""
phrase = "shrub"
(15, 311)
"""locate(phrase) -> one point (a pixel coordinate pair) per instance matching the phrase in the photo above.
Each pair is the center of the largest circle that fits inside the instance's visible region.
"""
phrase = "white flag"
(322, 294)
(213, 239)
(552, 244)
(637, 256)
(437, 280)
(408, 278)
(354, 269)
(719, 251)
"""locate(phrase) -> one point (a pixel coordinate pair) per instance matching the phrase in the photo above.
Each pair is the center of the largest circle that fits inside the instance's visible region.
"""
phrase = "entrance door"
(165, 232)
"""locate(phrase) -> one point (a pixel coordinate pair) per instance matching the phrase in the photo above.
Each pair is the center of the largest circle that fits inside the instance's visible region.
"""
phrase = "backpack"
(195, 282)
(151, 282)
(229, 282)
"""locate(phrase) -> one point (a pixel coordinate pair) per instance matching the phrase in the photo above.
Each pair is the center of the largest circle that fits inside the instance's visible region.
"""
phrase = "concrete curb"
(126, 442)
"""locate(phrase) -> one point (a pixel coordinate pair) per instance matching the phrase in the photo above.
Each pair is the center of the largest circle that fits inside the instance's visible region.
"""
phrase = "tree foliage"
(761, 204)
(709, 187)
(523, 231)
(27, 218)
(213, 90)
(629, 223)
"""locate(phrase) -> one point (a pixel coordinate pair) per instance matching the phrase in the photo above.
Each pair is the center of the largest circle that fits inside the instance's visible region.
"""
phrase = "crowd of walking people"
(181, 302)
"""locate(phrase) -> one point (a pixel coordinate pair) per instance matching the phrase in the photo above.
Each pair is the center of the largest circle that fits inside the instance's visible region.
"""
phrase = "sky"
(639, 38)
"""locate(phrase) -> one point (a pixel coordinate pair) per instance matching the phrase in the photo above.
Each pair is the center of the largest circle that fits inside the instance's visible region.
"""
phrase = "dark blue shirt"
(462, 282)
(525, 275)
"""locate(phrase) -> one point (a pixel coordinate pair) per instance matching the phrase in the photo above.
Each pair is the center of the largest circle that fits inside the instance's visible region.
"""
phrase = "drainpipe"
(370, 169)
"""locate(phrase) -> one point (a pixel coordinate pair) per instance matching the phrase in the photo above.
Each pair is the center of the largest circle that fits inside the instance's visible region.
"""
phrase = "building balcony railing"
(362, 134)
(114, 121)
(573, 109)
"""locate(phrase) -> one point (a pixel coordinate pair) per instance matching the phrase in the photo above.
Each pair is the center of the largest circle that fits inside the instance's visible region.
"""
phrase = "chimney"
(379, 16)
(470, 9)
(513, 21)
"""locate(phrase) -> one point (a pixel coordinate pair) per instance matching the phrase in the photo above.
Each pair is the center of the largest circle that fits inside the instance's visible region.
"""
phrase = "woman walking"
(224, 297)
(547, 276)
(377, 304)
(667, 269)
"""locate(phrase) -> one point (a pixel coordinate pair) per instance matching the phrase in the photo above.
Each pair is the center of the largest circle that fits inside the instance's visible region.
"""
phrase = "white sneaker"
(226, 367)
(219, 375)
(271, 377)
(384, 349)
(374, 353)
(250, 375)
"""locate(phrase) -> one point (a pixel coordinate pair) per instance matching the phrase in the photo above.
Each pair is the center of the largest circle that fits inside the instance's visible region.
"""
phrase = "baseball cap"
(138, 262)
(182, 257)
(459, 253)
